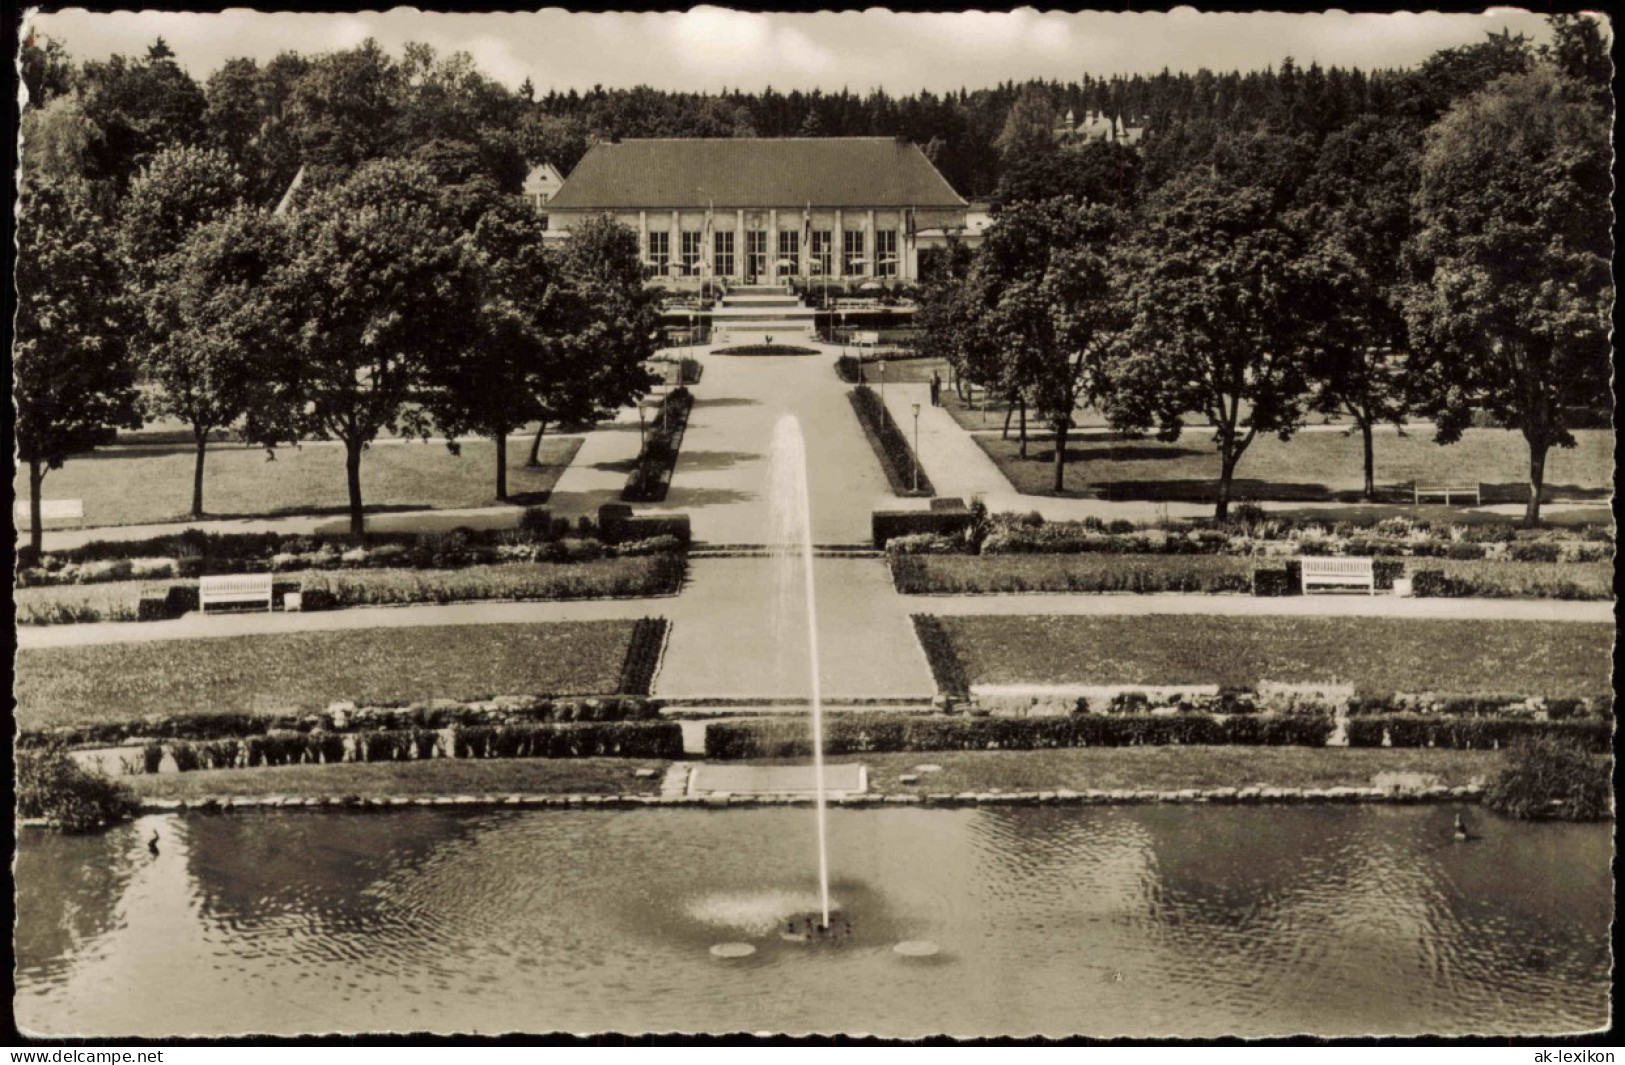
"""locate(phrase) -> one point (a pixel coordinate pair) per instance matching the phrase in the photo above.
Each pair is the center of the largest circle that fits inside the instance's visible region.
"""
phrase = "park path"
(722, 470)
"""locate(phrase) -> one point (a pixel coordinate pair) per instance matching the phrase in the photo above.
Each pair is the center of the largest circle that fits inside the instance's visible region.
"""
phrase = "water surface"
(1099, 921)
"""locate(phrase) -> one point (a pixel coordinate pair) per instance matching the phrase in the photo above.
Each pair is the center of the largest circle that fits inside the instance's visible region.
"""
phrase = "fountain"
(791, 512)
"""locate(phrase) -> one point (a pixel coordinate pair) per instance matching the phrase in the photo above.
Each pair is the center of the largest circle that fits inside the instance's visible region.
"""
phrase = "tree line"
(1453, 268)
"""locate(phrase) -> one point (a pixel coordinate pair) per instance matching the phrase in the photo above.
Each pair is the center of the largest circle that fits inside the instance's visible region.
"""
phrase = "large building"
(761, 210)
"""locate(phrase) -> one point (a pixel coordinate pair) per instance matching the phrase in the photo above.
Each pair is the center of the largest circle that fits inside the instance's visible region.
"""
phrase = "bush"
(1548, 778)
(849, 369)
(622, 739)
(1536, 551)
(938, 646)
(1433, 584)
(180, 600)
(765, 349)
(71, 798)
(656, 526)
(536, 523)
(866, 733)
(1273, 581)
(891, 447)
(643, 656)
(1472, 732)
(651, 474)
(888, 524)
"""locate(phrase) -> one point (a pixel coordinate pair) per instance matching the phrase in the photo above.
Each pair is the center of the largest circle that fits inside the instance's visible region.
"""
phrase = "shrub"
(1471, 732)
(656, 526)
(152, 757)
(1536, 551)
(536, 523)
(890, 445)
(1273, 581)
(940, 654)
(1548, 778)
(925, 544)
(888, 524)
(849, 369)
(624, 739)
(765, 349)
(642, 656)
(865, 733)
(1432, 584)
(71, 798)
(187, 756)
(651, 474)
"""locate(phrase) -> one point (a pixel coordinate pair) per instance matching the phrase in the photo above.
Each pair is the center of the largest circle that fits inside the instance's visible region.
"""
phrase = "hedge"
(886, 524)
(849, 369)
(946, 668)
(1464, 732)
(663, 438)
(874, 733)
(891, 447)
(624, 739)
(439, 715)
(643, 656)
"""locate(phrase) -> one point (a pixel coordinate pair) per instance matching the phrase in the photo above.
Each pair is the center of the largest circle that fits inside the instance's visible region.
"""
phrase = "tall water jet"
(791, 514)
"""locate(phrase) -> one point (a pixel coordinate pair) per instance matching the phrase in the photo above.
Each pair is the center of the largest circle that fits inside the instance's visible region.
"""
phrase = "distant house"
(756, 209)
(541, 184)
(1096, 127)
(978, 216)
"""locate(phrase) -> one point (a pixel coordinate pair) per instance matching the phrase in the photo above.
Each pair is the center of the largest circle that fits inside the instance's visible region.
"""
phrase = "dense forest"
(105, 119)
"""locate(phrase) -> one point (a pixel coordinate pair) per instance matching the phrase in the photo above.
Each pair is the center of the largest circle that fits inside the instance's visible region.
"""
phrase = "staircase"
(750, 314)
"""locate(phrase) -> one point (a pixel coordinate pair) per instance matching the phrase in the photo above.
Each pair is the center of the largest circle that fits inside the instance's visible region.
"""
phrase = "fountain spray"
(792, 526)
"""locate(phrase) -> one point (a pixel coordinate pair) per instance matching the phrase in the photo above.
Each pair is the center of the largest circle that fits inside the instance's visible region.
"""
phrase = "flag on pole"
(806, 235)
(707, 241)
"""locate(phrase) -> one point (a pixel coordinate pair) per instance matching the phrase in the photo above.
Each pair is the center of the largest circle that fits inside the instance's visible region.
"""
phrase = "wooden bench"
(52, 510)
(1337, 573)
(235, 588)
(1447, 490)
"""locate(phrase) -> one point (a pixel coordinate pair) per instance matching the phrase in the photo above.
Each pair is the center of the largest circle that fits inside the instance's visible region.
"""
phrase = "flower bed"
(861, 733)
(651, 474)
(660, 574)
(891, 447)
(937, 574)
(766, 349)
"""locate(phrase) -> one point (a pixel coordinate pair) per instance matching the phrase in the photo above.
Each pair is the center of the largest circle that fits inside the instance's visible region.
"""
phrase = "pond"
(1104, 921)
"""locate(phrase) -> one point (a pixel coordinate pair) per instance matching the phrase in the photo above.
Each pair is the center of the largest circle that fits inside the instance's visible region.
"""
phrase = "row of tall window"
(855, 257)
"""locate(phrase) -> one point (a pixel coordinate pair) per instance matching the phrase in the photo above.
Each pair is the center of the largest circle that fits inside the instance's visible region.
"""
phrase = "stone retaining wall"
(1059, 797)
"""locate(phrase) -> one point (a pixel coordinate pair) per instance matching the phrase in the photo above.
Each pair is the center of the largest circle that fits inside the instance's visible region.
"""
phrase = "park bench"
(234, 588)
(1447, 490)
(52, 510)
(1338, 573)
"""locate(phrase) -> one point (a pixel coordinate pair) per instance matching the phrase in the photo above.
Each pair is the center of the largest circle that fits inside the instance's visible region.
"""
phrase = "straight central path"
(721, 479)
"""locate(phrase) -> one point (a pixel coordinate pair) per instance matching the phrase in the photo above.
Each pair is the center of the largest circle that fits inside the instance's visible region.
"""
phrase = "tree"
(1029, 127)
(345, 109)
(1047, 288)
(1355, 220)
(210, 316)
(1218, 327)
(374, 290)
(57, 139)
(72, 385)
(139, 107)
(1510, 311)
(1579, 51)
(1097, 172)
(182, 188)
(492, 383)
(45, 69)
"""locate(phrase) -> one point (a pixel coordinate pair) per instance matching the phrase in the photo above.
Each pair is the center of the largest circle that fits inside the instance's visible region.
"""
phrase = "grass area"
(1312, 466)
(437, 776)
(1376, 655)
(139, 485)
(115, 682)
(960, 574)
(1165, 768)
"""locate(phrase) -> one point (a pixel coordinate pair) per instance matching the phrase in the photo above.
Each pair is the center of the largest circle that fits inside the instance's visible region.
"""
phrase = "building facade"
(765, 210)
(541, 185)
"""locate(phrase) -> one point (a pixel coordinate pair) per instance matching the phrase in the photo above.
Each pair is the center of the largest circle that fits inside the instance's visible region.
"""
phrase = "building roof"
(755, 172)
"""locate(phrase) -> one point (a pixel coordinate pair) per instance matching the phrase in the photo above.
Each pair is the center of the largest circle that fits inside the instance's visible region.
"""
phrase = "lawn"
(1312, 466)
(116, 682)
(437, 776)
(974, 574)
(1164, 768)
(1376, 655)
(150, 484)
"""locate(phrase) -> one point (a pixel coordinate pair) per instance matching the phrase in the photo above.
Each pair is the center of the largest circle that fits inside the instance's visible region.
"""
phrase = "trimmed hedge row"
(1463, 732)
(940, 655)
(651, 475)
(873, 733)
(891, 447)
(643, 656)
(849, 369)
(624, 739)
(244, 724)
(887, 525)
(617, 524)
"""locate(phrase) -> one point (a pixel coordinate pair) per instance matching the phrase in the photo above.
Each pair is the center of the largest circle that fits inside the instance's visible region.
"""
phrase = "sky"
(710, 48)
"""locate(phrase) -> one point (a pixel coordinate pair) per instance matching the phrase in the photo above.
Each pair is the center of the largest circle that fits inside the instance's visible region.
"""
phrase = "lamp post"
(916, 447)
(881, 366)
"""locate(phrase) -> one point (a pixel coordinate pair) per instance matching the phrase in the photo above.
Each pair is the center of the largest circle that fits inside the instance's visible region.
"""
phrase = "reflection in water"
(1137, 921)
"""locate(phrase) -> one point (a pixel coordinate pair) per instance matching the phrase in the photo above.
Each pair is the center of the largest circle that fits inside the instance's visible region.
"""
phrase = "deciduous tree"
(1512, 253)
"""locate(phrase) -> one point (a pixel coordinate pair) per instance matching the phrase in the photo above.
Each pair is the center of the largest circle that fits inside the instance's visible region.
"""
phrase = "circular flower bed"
(765, 349)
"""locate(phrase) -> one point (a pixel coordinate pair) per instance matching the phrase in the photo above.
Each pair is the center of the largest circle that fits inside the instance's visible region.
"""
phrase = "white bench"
(1447, 490)
(1338, 573)
(234, 588)
(52, 510)
(866, 338)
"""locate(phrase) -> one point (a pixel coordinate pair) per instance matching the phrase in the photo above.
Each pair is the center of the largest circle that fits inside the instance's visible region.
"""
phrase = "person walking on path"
(936, 389)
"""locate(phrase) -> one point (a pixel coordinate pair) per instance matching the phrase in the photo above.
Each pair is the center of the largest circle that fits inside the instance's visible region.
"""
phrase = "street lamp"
(916, 447)
(881, 366)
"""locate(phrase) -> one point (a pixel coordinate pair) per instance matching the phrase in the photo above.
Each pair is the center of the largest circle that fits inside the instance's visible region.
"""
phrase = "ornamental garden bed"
(1374, 655)
(766, 349)
(650, 478)
(76, 686)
